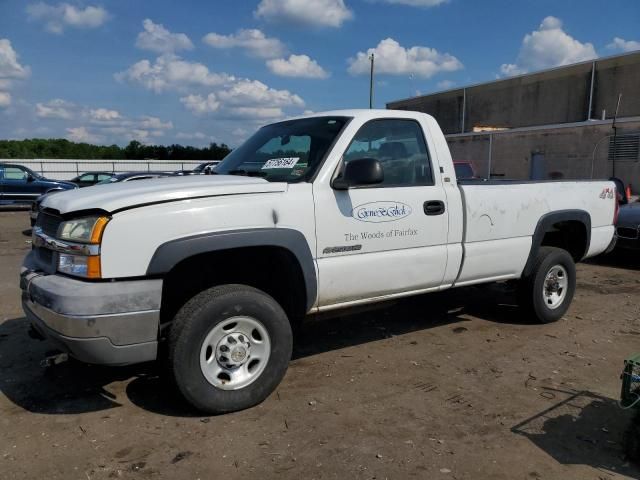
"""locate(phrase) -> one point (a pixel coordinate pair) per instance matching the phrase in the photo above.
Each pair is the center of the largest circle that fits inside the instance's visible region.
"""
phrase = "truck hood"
(123, 195)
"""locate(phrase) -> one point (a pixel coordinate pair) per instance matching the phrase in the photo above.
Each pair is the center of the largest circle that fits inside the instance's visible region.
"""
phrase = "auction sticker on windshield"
(287, 162)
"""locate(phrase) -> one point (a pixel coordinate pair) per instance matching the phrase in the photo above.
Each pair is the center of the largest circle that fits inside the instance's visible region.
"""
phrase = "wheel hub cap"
(235, 352)
(555, 286)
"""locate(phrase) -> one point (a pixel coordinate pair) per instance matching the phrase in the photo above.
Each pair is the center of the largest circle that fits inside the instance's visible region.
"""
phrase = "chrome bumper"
(109, 323)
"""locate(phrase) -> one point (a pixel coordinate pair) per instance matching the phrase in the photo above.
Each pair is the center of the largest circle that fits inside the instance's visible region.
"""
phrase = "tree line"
(64, 149)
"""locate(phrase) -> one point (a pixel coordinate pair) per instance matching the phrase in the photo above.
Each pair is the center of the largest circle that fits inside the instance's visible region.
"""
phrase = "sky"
(200, 71)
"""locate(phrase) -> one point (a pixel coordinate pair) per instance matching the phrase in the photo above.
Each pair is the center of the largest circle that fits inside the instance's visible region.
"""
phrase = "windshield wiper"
(247, 173)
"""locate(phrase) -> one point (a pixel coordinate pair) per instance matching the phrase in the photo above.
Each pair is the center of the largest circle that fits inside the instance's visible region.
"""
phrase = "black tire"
(197, 318)
(532, 287)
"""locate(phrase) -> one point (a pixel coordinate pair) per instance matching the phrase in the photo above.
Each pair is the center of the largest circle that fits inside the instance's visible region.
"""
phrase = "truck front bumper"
(107, 323)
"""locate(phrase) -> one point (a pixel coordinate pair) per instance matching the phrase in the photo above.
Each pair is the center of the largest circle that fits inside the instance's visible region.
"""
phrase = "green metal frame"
(630, 392)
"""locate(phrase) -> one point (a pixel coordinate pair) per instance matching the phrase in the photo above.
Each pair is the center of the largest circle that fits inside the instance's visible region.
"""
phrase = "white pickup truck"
(316, 213)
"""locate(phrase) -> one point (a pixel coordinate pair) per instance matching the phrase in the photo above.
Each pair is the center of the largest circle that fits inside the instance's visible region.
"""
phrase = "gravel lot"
(451, 386)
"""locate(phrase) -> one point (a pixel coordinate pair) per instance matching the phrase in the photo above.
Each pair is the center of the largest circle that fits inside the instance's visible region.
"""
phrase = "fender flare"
(545, 223)
(169, 254)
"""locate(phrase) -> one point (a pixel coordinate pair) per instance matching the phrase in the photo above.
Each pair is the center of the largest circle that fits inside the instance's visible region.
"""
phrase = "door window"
(15, 173)
(400, 147)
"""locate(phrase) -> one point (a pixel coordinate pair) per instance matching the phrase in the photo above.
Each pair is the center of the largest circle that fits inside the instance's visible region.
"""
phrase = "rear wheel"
(229, 348)
(546, 293)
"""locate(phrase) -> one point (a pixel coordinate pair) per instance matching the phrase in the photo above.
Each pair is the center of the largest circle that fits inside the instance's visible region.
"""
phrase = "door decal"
(378, 212)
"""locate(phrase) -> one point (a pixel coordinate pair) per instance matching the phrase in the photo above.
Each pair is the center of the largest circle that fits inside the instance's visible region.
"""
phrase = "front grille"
(45, 260)
(49, 223)
(627, 232)
(44, 255)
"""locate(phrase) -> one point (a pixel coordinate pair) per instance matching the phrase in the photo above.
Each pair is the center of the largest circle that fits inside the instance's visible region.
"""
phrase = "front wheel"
(229, 348)
(546, 293)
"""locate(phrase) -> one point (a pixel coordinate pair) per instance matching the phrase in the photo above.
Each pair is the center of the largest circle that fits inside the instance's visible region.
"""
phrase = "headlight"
(83, 230)
(79, 265)
(86, 230)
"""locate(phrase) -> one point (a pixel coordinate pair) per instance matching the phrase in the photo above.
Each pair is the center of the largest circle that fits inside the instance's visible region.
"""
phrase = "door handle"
(434, 207)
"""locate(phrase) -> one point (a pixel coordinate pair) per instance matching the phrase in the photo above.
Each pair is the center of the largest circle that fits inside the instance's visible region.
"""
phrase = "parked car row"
(19, 185)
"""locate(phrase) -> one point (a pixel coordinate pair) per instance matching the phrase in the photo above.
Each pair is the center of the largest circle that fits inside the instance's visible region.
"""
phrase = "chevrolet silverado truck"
(323, 212)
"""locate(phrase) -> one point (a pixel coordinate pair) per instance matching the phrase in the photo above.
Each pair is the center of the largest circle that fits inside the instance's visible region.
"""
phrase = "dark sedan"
(91, 178)
(628, 227)
(21, 185)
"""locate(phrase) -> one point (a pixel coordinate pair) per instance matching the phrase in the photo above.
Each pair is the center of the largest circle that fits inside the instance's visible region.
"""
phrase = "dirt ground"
(442, 386)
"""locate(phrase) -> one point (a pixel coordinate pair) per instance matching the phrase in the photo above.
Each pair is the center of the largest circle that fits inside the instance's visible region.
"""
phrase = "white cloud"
(82, 135)
(100, 125)
(258, 114)
(623, 45)
(10, 68)
(245, 99)
(445, 84)
(170, 72)
(511, 69)
(549, 46)
(200, 105)
(192, 136)
(103, 114)
(297, 66)
(5, 99)
(417, 3)
(254, 41)
(158, 39)
(56, 108)
(58, 17)
(319, 13)
(393, 59)
(253, 92)
(154, 123)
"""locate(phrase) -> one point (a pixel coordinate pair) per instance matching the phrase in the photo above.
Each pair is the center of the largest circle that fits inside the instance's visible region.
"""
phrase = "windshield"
(288, 151)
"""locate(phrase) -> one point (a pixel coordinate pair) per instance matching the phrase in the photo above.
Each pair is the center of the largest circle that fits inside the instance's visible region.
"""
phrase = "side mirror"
(30, 178)
(361, 171)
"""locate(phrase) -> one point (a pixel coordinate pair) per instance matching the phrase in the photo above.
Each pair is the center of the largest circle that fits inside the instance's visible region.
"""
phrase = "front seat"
(398, 168)
(393, 151)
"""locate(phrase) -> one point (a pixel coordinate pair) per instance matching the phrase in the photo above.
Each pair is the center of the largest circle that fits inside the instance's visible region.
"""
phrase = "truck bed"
(501, 216)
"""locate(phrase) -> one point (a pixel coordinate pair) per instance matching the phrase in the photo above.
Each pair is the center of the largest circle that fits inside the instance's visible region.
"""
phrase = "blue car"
(21, 186)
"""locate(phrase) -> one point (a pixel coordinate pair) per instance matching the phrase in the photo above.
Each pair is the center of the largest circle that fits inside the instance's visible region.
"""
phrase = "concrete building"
(551, 124)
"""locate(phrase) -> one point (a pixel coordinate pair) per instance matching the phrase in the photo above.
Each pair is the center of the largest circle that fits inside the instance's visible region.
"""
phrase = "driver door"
(17, 186)
(381, 240)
